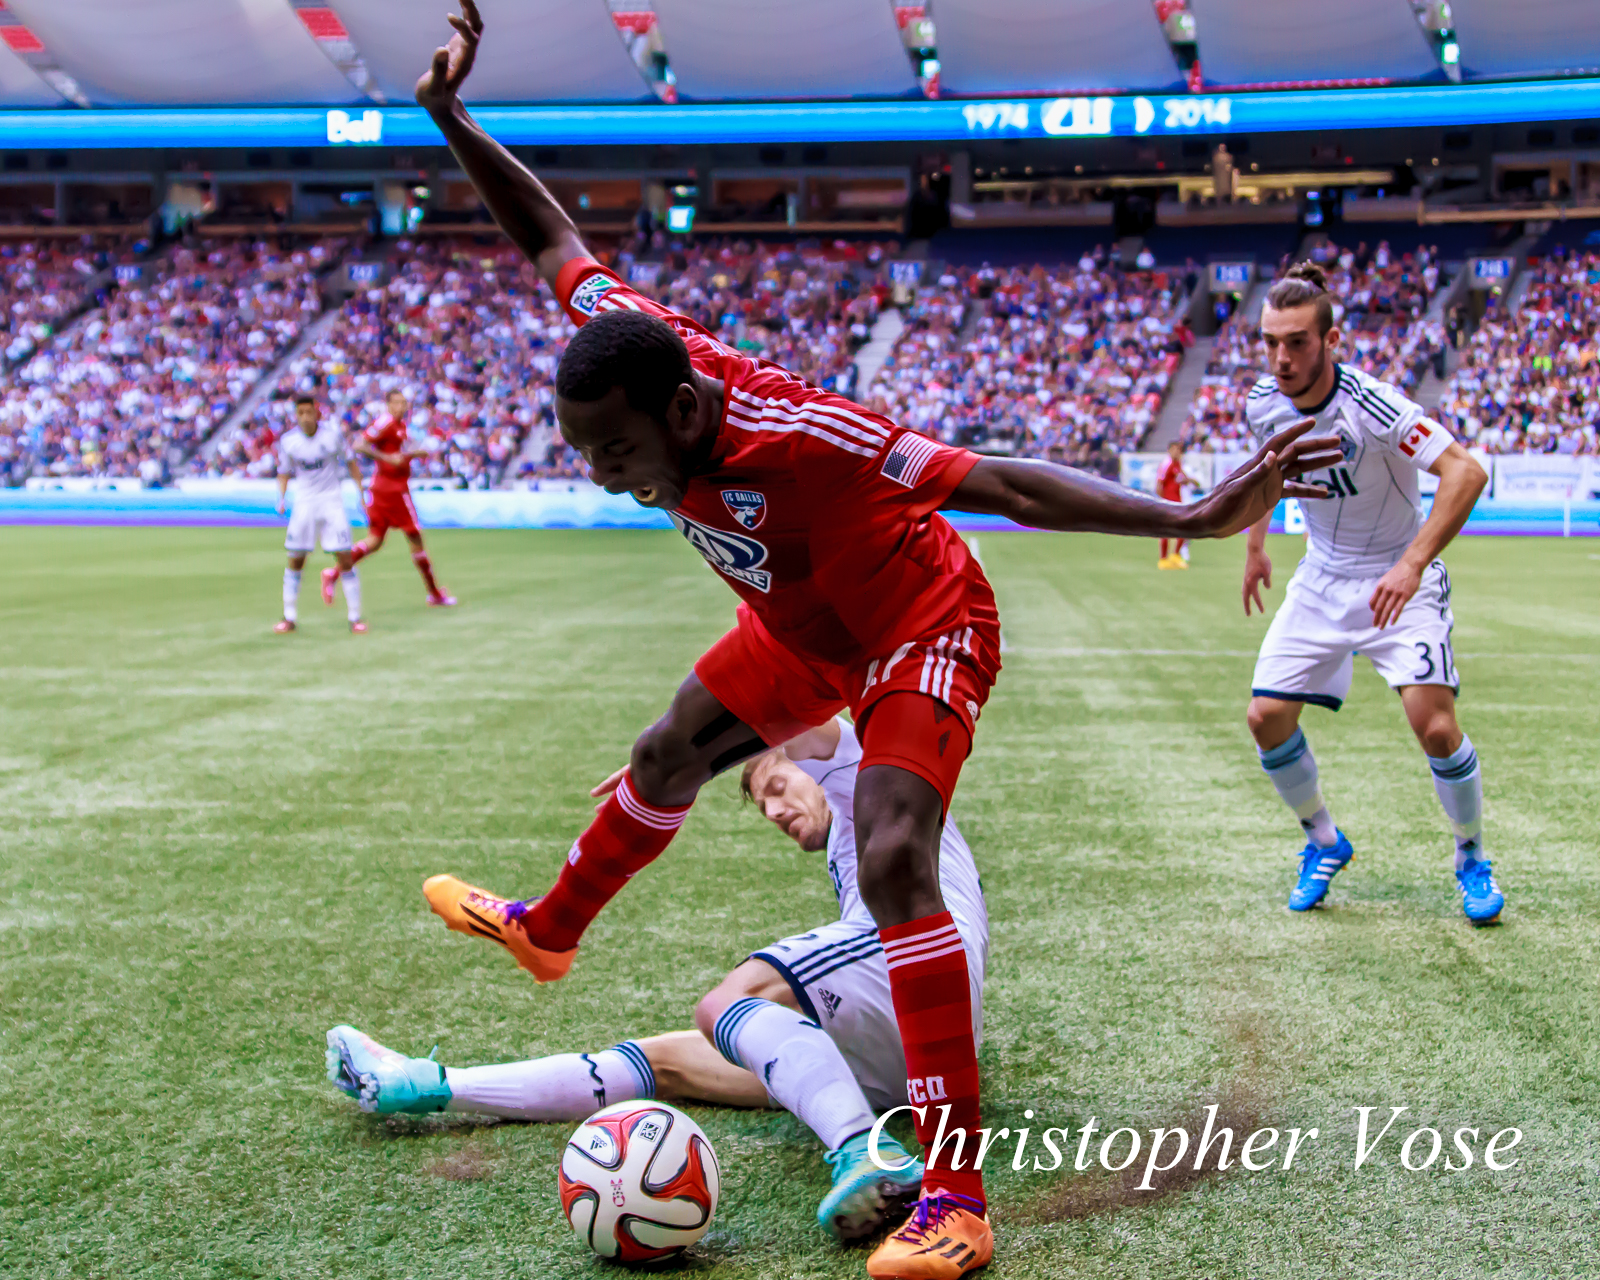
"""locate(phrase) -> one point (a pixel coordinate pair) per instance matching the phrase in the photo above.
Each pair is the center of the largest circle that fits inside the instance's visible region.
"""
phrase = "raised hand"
(441, 82)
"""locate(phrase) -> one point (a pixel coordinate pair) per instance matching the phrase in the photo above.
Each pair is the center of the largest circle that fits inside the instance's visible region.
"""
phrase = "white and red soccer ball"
(639, 1181)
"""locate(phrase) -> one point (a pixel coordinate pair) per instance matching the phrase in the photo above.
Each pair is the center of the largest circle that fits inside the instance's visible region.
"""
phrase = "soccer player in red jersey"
(1169, 484)
(390, 506)
(855, 593)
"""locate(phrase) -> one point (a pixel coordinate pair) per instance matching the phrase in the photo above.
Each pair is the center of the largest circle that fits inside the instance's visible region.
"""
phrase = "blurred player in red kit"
(1169, 484)
(390, 506)
(822, 516)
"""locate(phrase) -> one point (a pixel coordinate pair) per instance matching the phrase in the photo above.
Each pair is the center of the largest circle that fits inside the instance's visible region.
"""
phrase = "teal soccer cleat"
(382, 1080)
(863, 1193)
(1318, 866)
(1481, 898)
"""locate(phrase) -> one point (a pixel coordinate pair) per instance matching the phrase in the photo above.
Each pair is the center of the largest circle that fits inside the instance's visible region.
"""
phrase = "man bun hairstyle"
(1301, 284)
(640, 353)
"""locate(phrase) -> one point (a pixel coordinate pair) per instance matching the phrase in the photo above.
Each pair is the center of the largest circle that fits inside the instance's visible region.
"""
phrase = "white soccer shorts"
(320, 518)
(841, 981)
(1325, 621)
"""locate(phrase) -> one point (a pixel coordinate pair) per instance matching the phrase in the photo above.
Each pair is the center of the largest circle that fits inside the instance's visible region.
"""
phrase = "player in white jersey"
(313, 455)
(806, 1023)
(1371, 583)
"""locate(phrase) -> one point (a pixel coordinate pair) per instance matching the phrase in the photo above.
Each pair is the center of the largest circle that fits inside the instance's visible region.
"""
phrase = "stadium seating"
(1070, 362)
(1385, 294)
(137, 383)
(1532, 384)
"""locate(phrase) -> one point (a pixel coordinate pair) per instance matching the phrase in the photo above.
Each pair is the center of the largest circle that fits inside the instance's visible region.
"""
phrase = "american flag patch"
(1414, 438)
(909, 456)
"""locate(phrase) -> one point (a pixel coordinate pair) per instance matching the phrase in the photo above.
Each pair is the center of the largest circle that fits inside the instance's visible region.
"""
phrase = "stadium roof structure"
(336, 53)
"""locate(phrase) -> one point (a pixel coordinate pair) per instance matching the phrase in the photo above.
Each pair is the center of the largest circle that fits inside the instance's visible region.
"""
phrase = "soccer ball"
(639, 1181)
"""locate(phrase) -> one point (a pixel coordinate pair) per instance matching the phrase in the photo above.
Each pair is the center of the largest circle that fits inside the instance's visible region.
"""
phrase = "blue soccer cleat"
(1481, 898)
(1318, 866)
(382, 1080)
(863, 1193)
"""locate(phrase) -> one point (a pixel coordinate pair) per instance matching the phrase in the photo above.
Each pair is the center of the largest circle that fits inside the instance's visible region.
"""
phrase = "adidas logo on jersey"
(586, 297)
(830, 1002)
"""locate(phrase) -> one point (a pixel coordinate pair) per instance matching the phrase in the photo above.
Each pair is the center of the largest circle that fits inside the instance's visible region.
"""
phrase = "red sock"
(359, 552)
(1163, 548)
(425, 568)
(625, 836)
(933, 1005)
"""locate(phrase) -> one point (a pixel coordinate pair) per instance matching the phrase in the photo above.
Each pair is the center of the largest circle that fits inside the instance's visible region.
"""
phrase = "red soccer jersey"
(1169, 479)
(388, 435)
(819, 513)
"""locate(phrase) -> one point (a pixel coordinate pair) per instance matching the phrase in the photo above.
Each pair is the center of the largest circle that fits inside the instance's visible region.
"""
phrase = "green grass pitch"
(214, 840)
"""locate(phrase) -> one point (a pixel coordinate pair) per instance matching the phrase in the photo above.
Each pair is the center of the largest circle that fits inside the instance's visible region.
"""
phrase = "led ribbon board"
(1106, 116)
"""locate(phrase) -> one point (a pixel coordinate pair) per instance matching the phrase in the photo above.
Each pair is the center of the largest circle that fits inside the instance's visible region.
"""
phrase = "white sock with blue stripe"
(1459, 782)
(1293, 770)
(564, 1086)
(798, 1063)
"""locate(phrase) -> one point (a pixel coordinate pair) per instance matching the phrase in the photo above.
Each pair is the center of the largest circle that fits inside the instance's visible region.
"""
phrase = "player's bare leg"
(1287, 760)
(899, 815)
(1458, 782)
(291, 593)
(697, 739)
(362, 549)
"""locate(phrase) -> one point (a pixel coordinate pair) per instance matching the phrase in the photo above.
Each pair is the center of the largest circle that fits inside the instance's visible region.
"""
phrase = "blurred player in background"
(822, 517)
(313, 455)
(1169, 484)
(1371, 581)
(390, 505)
(806, 1023)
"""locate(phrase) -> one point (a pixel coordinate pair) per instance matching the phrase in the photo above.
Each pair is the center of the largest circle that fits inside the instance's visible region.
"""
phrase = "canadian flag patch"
(1415, 439)
(904, 462)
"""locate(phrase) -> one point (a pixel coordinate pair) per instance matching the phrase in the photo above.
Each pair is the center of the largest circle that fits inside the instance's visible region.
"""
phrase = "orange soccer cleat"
(473, 911)
(947, 1236)
(283, 626)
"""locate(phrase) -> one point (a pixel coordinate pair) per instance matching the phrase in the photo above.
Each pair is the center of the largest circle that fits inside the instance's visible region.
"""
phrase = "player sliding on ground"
(811, 1015)
(855, 593)
(390, 505)
(1371, 582)
(311, 456)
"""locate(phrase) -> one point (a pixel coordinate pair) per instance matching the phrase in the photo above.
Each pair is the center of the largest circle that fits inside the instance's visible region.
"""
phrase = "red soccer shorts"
(779, 694)
(391, 509)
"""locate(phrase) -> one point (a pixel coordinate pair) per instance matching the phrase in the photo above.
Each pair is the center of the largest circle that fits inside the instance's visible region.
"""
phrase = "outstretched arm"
(1046, 496)
(517, 200)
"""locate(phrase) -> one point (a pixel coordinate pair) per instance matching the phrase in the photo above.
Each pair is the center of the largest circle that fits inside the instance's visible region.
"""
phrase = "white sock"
(564, 1086)
(351, 582)
(291, 594)
(1293, 770)
(800, 1065)
(1459, 782)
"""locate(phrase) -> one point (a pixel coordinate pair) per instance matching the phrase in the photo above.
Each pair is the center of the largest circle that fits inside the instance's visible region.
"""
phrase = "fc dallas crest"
(747, 507)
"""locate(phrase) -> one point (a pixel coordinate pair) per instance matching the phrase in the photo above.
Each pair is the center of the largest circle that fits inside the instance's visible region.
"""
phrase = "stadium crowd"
(472, 337)
(1384, 297)
(142, 379)
(1532, 384)
(1070, 362)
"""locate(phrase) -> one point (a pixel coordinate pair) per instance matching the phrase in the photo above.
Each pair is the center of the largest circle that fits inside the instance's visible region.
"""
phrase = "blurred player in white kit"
(313, 455)
(1371, 583)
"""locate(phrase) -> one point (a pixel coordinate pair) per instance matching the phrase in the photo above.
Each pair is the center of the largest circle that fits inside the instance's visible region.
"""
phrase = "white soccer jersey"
(316, 462)
(958, 873)
(1376, 509)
